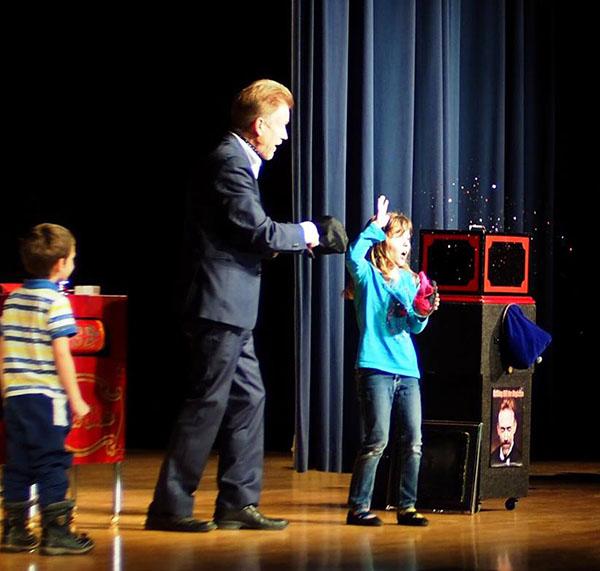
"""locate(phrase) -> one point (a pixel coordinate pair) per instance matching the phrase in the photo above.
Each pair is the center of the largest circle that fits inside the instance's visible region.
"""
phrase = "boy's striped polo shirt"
(33, 316)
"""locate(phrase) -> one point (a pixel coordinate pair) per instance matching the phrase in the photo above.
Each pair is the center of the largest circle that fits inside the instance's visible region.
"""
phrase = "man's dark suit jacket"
(515, 457)
(228, 235)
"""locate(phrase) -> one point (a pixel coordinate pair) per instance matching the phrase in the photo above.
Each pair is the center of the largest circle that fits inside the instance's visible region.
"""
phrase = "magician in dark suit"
(230, 235)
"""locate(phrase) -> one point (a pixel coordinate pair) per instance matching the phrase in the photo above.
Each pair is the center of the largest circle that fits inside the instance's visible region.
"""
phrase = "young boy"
(40, 393)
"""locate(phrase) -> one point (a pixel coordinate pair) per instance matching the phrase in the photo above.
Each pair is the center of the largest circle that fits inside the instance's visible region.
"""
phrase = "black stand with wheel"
(463, 381)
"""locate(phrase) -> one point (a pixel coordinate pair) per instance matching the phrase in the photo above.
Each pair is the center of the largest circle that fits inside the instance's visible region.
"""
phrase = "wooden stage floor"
(556, 527)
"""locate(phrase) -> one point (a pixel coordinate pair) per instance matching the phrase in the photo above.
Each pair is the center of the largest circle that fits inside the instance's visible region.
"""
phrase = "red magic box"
(475, 263)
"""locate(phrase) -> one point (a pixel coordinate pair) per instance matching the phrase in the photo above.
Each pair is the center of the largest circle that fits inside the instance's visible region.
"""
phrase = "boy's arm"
(65, 368)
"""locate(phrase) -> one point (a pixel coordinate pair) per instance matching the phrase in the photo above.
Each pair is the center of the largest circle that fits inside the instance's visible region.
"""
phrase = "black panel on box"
(506, 264)
(452, 397)
(452, 262)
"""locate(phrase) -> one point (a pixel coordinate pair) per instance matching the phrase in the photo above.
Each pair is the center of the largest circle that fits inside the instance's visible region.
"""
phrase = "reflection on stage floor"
(557, 526)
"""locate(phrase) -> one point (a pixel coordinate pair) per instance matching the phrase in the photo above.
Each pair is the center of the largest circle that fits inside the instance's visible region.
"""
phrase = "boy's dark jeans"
(35, 450)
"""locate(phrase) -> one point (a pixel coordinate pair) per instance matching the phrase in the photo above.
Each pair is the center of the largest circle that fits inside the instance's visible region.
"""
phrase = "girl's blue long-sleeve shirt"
(384, 311)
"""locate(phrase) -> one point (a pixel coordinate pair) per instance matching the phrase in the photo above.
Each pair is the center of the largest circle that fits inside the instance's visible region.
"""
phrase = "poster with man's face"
(505, 432)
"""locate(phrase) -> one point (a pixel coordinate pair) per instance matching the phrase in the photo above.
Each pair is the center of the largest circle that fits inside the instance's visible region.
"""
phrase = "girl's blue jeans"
(383, 396)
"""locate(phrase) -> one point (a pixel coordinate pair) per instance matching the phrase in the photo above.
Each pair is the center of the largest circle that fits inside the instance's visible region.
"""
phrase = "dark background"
(105, 117)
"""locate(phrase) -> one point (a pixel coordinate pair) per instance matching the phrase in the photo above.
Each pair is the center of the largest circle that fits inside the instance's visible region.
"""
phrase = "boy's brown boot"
(16, 536)
(57, 537)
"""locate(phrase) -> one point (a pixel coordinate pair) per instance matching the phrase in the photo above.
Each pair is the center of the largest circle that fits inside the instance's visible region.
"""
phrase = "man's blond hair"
(260, 98)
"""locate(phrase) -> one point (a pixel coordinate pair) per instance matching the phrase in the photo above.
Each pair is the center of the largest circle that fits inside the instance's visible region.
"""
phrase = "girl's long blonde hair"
(398, 224)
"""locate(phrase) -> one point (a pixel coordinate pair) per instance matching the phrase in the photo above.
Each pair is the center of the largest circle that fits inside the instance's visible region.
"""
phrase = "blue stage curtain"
(443, 106)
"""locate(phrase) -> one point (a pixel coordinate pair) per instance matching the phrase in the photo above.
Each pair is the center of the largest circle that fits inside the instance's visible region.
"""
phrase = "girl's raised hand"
(382, 217)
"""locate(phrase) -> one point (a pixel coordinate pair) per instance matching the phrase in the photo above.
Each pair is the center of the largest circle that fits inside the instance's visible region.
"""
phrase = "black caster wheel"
(511, 503)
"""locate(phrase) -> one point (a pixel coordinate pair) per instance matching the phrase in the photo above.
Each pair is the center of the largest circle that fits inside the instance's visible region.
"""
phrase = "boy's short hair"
(43, 246)
(261, 97)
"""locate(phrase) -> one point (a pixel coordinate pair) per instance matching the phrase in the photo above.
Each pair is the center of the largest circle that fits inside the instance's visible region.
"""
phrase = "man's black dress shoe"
(248, 518)
(175, 523)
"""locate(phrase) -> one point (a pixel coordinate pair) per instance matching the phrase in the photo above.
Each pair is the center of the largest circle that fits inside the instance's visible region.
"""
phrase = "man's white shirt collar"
(504, 457)
(255, 160)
